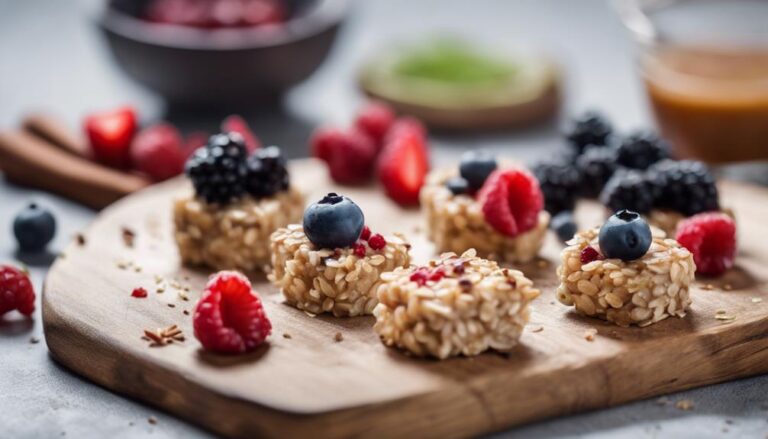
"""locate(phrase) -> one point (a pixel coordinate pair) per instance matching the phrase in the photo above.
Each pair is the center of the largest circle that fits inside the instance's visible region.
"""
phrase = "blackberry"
(591, 128)
(559, 183)
(217, 170)
(596, 166)
(641, 149)
(687, 186)
(267, 172)
(629, 189)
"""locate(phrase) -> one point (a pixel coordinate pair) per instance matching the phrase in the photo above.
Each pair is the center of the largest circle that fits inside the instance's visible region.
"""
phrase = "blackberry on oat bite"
(626, 273)
(238, 201)
(332, 263)
(456, 305)
(503, 220)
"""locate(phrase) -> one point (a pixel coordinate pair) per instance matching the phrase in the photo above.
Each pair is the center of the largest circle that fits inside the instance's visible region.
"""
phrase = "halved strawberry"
(110, 134)
(239, 125)
(511, 200)
(403, 166)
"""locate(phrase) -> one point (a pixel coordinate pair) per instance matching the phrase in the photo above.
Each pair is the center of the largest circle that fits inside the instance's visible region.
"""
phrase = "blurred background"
(696, 70)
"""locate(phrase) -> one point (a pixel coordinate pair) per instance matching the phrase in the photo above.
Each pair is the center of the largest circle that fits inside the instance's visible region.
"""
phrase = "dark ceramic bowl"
(201, 66)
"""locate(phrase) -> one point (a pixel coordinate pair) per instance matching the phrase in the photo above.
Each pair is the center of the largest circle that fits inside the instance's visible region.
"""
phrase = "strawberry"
(375, 119)
(157, 151)
(110, 134)
(239, 125)
(403, 165)
(511, 201)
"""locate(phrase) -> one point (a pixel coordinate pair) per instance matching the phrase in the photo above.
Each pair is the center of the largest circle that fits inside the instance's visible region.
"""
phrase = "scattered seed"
(708, 287)
(186, 312)
(338, 337)
(685, 404)
(756, 300)
(152, 420)
(34, 340)
(589, 334)
(287, 335)
(128, 236)
(183, 296)
(537, 329)
(80, 239)
(171, 305)
(160, 290)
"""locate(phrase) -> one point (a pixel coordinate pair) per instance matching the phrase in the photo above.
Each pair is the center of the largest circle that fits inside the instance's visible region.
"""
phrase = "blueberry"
(457, 185)
(34, 228)
(625, 236)
(476, 166)
(333, 222)
(563, 225)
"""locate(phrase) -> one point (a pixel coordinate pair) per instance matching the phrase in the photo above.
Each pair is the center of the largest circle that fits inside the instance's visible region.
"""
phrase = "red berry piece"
(377, 242)
(139, 293)
(437, 274)
(229, 318)
(238, 125)
(358, 249)
(351, 160)
(589, 254)
(375, 119)
(420, 276)
(711, 237)
(157, 152)
(511, 200)
(110, 134)
(16, 291)
(366, 233)
(403, 167)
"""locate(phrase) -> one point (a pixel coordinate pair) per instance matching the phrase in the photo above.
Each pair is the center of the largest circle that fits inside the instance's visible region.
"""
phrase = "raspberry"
(239, 125)
(511, 201)
(16, 291)
(366, 233)
(358, 249)
(711, 237)
(139, 293)
(403, 165)
(350, 154)
(589, 254)
(375, 119)
(229, 318)
(110, 134)
(377, 242)
(157, 152)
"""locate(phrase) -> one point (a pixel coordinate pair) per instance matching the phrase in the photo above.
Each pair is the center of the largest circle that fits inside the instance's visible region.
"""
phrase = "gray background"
(52, 58)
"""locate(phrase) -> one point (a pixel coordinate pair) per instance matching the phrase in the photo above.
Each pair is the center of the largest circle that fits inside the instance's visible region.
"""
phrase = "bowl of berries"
(220, 51)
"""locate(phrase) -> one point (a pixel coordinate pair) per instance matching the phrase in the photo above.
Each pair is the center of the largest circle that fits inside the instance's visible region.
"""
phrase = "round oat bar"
(333, 281)
(455, 223)
(639, 292)
(457, 305)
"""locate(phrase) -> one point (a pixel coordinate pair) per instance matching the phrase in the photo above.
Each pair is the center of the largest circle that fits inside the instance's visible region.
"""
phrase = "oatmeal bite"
(238, 201)
(625, 273)
(498, 212)
(457, 305)
(332, 263)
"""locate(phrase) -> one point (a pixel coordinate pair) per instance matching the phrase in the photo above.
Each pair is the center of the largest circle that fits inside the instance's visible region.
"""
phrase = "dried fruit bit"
(377, 242)
(511, 201)
(338, 337)
(358, 249)
(139, 292)
(366, 233)
(589, 254)
(711, 237)
(229, 318)
(16, 291)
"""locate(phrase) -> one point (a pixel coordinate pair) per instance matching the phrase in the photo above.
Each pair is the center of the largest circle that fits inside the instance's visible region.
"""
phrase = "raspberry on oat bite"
(457, 305)
(339, 275)
(639, 292)
(505, 220)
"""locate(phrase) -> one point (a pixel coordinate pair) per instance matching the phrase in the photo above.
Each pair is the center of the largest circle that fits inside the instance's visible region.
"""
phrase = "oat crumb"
(684, 404)
(589, 334)
(662, 401)
(756, 300)
(708, 287)
(338, 337)
(537, 328)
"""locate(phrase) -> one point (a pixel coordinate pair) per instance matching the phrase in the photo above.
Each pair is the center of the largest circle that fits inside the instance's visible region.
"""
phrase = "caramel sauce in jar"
(711, 103)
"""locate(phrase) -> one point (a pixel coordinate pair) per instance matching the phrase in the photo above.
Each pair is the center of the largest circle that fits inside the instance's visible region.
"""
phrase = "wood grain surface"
(310, 384)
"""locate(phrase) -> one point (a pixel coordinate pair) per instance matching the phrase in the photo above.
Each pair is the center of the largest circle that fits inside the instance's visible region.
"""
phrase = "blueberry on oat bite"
(333, 222)
(625, 236)
(563, 225)
(476, 166)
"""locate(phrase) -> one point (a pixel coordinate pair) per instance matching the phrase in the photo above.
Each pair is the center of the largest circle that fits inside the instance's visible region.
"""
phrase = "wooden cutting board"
(303, 382)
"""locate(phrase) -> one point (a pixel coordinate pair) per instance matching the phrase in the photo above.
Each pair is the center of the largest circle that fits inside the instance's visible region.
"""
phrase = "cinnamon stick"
(56, 133)
(28, 160)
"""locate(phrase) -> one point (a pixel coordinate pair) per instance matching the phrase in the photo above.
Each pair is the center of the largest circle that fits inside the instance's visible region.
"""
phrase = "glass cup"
(704, 64)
